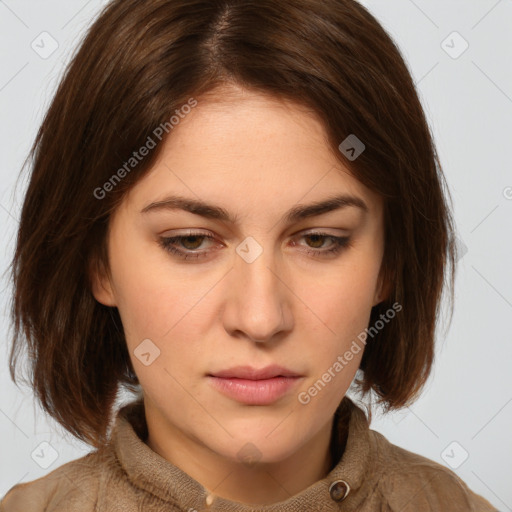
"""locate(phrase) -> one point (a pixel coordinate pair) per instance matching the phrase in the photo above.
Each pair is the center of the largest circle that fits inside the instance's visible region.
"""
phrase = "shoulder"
(72, 486)
(412, 482)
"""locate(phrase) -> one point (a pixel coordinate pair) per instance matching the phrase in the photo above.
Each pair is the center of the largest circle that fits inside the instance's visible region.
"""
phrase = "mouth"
(250, 373)
(252, 386)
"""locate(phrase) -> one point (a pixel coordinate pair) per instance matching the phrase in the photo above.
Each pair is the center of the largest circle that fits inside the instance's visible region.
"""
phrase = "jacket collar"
(347, 482)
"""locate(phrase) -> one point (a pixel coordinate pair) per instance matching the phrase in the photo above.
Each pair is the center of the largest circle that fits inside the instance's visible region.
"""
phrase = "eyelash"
(168, 244)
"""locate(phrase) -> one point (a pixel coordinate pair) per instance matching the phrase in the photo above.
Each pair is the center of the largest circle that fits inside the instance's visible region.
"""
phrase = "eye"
(338, 243)
(186, 246)
(191, 242)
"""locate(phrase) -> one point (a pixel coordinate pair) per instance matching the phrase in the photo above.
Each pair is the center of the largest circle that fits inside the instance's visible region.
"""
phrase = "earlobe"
(101, 285)
(377, 299)
(382, 290)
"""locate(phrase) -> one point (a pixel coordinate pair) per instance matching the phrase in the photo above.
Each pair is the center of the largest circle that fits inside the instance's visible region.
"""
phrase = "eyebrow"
(295, 214)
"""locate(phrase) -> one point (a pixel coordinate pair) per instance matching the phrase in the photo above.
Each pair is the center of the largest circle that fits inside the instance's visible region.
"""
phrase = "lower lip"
(254, 392)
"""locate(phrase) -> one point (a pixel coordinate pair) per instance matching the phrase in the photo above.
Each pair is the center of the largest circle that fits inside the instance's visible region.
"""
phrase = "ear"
(101, 285)
(382, 290)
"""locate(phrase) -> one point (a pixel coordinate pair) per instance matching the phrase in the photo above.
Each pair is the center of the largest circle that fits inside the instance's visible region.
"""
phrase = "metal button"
(339, 490)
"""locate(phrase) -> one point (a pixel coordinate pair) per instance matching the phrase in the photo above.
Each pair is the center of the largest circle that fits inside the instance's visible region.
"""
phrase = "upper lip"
(250, 373)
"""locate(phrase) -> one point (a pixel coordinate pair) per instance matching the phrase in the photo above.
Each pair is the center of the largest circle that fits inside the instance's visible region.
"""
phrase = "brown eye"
(318, 239)
(186, 239)
(185, 246)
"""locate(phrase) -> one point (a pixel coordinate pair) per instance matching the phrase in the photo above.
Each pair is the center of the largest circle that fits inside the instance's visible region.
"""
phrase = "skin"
(257, 157)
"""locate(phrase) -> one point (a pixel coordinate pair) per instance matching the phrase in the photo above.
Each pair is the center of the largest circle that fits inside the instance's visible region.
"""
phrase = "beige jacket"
(373, 475)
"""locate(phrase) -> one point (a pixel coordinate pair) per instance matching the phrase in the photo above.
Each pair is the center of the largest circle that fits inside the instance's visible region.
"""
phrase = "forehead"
(244, 150)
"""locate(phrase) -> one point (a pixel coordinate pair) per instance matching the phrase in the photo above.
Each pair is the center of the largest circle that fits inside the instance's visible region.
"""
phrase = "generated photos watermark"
(138, 156)
(342, 361)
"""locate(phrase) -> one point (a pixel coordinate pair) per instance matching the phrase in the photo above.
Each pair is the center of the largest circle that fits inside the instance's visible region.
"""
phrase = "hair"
(138, 63)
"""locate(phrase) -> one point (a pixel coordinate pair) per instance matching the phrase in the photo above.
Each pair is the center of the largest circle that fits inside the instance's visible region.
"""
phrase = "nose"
(258, 304)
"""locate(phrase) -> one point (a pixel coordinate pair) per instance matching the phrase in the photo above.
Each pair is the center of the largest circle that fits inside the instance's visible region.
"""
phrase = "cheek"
(343, 299)
(344, 311)
(151, 307)
(146, 296)
(342, 307)
(164, 303)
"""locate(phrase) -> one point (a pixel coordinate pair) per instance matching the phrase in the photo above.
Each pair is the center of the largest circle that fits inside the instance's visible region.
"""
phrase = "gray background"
(463, 419)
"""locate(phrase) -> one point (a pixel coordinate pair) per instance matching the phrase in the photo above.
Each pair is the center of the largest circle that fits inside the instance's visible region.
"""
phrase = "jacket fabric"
(369, 474)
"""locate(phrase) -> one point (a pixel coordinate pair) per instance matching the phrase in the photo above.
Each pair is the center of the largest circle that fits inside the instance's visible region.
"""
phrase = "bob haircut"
(139, 63)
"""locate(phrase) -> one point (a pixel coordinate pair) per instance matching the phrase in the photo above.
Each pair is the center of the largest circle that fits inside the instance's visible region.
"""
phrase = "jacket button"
(339, 490)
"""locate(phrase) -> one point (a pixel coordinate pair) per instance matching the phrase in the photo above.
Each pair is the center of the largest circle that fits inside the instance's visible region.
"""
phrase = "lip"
(252, 386)
(250, 373)
(254, 392)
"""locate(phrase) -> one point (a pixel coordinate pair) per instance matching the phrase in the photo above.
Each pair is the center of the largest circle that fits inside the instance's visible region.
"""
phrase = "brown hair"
(139, 62)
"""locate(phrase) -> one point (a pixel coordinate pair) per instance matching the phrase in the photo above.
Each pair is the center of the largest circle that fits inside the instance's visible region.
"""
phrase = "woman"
(234, 207)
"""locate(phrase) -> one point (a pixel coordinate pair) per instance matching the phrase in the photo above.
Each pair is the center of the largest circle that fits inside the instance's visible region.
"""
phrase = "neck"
(261, 483)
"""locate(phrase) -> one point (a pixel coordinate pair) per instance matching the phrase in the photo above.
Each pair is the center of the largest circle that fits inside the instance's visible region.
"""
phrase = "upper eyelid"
(307, 231)
(212, 238)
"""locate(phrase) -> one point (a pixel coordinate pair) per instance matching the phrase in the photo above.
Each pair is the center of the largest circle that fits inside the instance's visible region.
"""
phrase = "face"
(244, 283)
